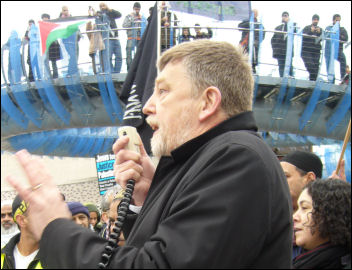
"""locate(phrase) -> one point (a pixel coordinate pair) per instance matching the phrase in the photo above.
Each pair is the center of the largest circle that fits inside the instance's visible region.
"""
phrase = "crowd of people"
(311, 44)
(105, 46)
(218, 198)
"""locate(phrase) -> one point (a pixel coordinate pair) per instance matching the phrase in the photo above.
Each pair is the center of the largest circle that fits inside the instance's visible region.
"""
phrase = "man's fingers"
(122, 177)
(18, 186)
(120, 144)
(142, 150)
(118, 168)
(33, 168)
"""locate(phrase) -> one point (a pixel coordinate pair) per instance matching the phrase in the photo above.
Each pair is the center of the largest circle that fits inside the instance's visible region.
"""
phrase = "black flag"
(139, 83)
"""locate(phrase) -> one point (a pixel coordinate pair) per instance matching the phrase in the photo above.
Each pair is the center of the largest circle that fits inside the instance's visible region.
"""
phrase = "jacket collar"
(8, 248)
(242, 121)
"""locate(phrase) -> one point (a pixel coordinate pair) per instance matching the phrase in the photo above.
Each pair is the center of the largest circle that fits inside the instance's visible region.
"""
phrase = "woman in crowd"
(322, 225)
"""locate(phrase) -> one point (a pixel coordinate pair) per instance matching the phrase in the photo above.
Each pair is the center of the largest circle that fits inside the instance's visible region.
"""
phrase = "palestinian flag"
(52, 30)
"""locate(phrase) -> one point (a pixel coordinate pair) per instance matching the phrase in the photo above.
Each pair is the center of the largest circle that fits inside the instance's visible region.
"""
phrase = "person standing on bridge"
(342, 39)
(279, 44)
(133, 20)
(54, 50)
(114, 42)
(244, 42)
(311, 47)
(26, 39)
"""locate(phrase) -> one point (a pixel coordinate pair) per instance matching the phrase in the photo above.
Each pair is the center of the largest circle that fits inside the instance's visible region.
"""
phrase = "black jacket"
(220, 200)
(8, 259)
(245, 33)
(279, 41)
(326, 256)
(312, 44)
(112, 15)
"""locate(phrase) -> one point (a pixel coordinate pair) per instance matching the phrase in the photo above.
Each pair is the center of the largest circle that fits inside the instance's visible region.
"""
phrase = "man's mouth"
(152, 124)
(154, 127)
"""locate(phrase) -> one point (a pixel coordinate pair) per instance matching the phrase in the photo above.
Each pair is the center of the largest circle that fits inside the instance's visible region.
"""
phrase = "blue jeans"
(70, 46)
(115, 49)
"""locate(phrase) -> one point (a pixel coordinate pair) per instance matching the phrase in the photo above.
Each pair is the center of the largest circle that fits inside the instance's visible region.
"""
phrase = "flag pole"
(158, 4)
(347, 137)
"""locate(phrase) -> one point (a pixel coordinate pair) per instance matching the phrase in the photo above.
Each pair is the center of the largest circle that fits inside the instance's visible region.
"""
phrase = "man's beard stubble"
(167, 138)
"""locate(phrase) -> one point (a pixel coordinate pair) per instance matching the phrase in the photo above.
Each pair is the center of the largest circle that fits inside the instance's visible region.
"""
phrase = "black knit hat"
(305, 161)
(77, 207)
(19, 207)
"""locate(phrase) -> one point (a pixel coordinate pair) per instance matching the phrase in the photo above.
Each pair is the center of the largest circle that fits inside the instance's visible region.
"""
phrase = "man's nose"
(149, 107)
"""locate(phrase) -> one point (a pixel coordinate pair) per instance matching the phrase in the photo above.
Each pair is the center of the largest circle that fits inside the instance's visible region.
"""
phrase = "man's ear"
(210, 102)
(310, 176)
(21, 220)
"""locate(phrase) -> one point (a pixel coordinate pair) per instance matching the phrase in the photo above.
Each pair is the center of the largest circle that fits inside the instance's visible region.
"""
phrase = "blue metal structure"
(77, 115)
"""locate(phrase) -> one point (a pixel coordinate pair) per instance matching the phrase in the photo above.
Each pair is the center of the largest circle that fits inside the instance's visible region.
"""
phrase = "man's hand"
(342, 174)
(44, 198)
(132, 165)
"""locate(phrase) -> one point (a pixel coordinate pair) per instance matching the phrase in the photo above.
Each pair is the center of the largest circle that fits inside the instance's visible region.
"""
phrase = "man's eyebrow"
(161, 81)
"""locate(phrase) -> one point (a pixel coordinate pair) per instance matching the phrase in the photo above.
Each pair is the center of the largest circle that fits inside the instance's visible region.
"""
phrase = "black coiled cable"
(114, 237)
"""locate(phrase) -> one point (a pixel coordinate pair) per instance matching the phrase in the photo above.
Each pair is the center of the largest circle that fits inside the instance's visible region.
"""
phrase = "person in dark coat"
(186, 36)
(54, 50)
(311, 47)
(279, 45)
(244, 42)
(322, 225)
(26, 37)
(200, 34)
(218, 197)
(343, 38)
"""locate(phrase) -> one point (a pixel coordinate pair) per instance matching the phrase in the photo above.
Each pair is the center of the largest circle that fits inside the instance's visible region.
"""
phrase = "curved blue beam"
(12, 110)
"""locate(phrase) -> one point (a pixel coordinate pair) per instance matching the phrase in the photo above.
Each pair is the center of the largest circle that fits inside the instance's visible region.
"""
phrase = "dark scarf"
(326, 256)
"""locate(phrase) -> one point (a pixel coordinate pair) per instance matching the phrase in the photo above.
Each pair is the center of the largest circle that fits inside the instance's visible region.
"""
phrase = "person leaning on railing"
(311, 47)
(95, 41)
(133, 19)
(279, 44)
(54, 50)
(244, 42)
(343, 38)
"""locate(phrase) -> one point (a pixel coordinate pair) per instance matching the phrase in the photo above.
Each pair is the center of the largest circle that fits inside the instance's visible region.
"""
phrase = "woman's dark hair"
(331, 210)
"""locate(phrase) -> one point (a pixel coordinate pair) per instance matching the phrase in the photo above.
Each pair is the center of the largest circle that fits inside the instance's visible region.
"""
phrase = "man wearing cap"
(311, 47)
(80, 213)
(8, 226)
(22, 249)
(279, 44)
